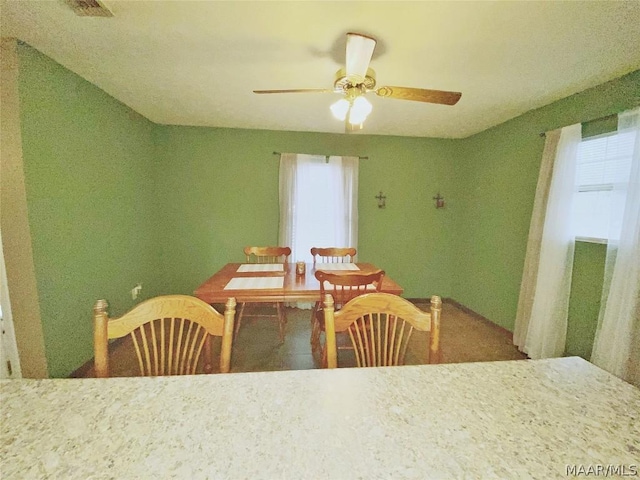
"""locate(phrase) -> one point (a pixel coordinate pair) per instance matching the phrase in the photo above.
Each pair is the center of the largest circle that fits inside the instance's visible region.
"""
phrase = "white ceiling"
(196, 63)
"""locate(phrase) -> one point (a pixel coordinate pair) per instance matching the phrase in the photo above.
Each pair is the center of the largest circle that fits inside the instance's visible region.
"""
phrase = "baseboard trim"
(508, 334)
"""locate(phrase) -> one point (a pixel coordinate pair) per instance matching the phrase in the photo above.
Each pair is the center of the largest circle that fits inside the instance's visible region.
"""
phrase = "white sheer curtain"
(541, 320)
(617, 343)
(287, 182)
(318, 203)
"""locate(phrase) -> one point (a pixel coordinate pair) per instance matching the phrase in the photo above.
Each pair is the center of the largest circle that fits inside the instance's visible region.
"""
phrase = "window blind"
(604, 161)
(603, 170)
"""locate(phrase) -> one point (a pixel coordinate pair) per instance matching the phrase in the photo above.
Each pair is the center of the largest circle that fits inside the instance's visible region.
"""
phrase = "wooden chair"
(380, 327)
(329, 255)
(169, 334)
(333, 255)
(267, 255)
(343, 286)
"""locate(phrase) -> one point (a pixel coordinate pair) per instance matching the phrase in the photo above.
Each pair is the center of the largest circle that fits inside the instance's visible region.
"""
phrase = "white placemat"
(247, 283)
(261, 267)
(336, 266)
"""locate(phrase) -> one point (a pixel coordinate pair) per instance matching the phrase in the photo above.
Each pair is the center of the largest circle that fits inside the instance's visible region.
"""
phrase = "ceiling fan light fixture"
(350, 127)
(360, 109)
(340, 109)
(356, 79)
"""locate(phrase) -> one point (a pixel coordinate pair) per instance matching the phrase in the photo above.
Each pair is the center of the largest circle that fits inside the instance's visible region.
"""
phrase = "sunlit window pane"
(602, 175)
(320, 200)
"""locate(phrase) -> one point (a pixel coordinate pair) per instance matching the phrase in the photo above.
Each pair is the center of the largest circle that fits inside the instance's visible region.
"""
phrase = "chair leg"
(315, 327)
(282, 320)
(324, 356)
(316, 333)
(315, 336)
(237, 329)
(208, 354)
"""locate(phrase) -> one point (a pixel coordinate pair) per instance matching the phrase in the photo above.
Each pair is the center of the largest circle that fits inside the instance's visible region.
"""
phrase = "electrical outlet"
(135, 291)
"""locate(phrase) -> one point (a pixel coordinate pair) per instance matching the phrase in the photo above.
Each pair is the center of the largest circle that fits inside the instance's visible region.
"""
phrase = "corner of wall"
(14, 222)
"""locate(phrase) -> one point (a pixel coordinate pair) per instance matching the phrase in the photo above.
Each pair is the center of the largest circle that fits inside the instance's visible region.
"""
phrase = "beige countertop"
(516, 419)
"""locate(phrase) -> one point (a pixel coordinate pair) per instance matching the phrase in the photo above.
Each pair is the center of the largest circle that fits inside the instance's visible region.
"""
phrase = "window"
(602, 176)
(318, 203)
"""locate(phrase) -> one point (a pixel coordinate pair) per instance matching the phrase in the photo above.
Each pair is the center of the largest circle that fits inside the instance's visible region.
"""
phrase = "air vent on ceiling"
(89, 8)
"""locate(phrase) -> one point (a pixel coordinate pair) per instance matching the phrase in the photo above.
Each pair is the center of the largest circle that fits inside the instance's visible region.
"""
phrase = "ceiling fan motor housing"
(343, 82)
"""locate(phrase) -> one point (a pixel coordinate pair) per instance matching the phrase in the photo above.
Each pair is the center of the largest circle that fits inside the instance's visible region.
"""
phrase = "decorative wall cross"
(381, 200)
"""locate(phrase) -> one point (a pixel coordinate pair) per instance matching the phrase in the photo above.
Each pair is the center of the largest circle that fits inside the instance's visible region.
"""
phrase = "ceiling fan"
(357, 79)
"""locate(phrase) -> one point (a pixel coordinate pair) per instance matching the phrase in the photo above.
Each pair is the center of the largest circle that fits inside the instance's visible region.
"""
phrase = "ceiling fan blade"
(359, 52)
(420, 95)
(296, 90)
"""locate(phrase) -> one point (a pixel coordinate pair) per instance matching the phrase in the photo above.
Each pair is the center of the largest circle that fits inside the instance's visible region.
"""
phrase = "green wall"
(114, 200)
(89, 169)
(220, 193)
(497, 171)
(586, 292)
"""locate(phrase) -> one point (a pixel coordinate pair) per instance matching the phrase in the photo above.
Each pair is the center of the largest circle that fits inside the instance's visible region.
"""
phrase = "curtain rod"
(323, 155)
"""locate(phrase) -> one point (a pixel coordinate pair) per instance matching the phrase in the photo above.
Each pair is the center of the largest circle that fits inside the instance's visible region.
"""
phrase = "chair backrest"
(267, 254)
(168, 333)
(380, 327)
(344, 286)
(333, 255)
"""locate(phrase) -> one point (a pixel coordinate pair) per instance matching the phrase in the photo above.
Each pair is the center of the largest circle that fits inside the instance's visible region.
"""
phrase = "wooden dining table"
(295, 288)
